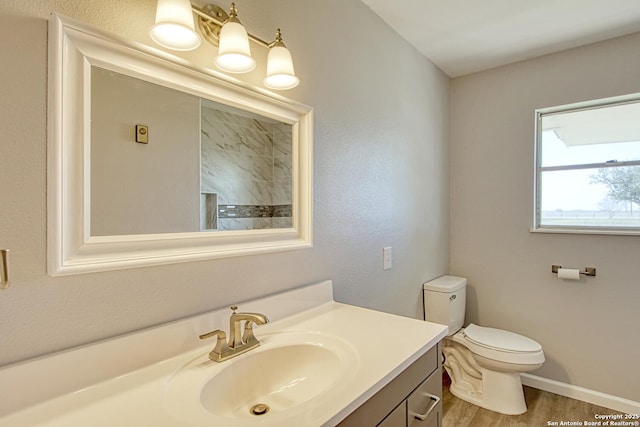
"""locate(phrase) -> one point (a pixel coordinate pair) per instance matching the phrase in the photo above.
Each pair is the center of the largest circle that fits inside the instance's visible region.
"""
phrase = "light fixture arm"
(210, 20)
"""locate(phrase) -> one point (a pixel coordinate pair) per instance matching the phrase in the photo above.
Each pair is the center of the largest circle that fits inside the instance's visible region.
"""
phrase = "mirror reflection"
(164, 161)
(245, 170)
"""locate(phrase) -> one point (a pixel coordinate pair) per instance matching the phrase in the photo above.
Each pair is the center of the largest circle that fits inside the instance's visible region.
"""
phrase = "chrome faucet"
(238, 344)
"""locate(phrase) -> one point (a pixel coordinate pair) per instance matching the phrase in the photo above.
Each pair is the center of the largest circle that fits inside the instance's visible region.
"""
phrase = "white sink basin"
(287, 374)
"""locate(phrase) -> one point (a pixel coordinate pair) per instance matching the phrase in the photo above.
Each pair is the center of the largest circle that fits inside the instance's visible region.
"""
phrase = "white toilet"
(484, 363)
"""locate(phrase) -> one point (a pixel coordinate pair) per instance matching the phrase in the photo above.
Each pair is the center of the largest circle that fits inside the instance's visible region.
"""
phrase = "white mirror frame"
(73, 49)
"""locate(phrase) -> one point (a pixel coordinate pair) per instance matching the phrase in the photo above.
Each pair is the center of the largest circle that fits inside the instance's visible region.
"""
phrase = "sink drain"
(259, 409)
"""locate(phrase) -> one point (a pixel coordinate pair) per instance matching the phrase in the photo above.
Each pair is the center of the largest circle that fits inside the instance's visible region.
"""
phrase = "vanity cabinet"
(412, 399)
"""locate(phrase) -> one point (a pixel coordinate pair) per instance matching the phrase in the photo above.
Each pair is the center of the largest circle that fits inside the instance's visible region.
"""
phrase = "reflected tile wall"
(282, 163)
(245, 161)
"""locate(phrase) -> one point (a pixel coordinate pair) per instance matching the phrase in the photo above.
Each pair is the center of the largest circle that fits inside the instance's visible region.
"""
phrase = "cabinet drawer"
(425, 404)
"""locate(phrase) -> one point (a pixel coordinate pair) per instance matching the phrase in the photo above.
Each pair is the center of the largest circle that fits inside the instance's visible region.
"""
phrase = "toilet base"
(501, 392)
(492, 385)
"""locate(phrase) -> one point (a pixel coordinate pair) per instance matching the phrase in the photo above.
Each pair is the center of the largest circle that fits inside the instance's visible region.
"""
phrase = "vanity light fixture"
(234, 54)
(280, 73)
(224, 30)
(174, 27)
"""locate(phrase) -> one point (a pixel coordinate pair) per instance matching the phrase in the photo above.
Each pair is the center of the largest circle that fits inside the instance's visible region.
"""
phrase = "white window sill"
(604, 231)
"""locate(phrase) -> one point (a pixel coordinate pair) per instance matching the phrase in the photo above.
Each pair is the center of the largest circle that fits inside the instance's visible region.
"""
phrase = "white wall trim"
(580, 393)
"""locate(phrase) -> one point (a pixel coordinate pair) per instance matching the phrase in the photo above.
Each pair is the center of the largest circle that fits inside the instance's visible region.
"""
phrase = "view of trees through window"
(623, 186)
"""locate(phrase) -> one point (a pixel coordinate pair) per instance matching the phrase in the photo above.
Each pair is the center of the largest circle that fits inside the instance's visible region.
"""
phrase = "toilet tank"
(445, 301)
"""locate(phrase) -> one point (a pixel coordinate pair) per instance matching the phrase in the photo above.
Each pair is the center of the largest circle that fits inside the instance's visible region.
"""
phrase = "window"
(588, 167)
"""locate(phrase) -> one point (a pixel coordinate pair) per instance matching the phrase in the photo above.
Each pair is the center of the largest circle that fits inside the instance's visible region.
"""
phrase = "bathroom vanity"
(320, 363)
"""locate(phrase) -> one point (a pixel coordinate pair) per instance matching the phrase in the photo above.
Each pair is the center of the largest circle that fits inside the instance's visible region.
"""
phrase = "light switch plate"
(387, 258)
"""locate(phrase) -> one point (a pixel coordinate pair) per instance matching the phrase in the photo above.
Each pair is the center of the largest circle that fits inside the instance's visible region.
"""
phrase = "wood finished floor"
(543, 407)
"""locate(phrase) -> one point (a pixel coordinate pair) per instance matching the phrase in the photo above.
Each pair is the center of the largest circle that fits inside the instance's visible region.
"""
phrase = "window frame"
(537, 226)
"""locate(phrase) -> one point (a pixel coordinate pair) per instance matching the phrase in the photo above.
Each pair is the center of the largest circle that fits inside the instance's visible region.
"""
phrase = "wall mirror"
(153, 160)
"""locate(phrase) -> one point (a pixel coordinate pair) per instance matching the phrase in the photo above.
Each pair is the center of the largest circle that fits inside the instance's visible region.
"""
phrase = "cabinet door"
(424, 404)
(398, 418)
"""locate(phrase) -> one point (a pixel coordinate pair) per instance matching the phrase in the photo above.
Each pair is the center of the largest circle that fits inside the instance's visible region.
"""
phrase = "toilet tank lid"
(445, 284)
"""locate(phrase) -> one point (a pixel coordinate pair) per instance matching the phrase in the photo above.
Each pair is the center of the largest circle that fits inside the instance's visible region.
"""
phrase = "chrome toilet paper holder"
(588, 271)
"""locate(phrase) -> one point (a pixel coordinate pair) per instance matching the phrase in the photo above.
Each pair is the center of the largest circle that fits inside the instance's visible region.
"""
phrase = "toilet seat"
(500, 345)
(498, 339)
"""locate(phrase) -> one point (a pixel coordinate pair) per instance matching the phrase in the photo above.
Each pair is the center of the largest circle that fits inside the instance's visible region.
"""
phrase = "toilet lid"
(500, 340)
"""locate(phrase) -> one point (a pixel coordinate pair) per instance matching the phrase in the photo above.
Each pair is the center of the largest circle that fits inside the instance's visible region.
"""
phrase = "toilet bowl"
(484, 364)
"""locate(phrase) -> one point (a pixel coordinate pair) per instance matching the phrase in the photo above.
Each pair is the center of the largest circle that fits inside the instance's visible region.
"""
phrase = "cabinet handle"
(434, 402)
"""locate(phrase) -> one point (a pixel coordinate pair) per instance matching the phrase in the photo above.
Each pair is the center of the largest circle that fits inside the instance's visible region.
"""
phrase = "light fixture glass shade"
(174, 25)
(280, 74)
(234, 54)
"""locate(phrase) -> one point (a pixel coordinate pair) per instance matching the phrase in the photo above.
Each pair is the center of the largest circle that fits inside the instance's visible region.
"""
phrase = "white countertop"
(385, 345)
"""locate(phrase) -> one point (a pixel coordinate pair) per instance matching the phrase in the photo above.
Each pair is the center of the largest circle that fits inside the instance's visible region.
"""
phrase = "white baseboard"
(584, 394)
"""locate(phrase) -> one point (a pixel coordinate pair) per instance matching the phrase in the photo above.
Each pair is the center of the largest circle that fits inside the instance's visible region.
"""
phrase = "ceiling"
(465, 36)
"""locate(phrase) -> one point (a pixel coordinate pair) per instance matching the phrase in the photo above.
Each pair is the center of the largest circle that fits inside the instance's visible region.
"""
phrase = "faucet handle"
(221, 343)
(217, 332)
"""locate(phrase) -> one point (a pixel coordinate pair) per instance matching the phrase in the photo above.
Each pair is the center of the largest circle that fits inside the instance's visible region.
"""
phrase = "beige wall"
(588, 329)
(381, 177)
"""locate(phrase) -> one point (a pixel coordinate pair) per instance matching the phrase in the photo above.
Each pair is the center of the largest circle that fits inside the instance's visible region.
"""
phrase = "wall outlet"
(387, 258)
